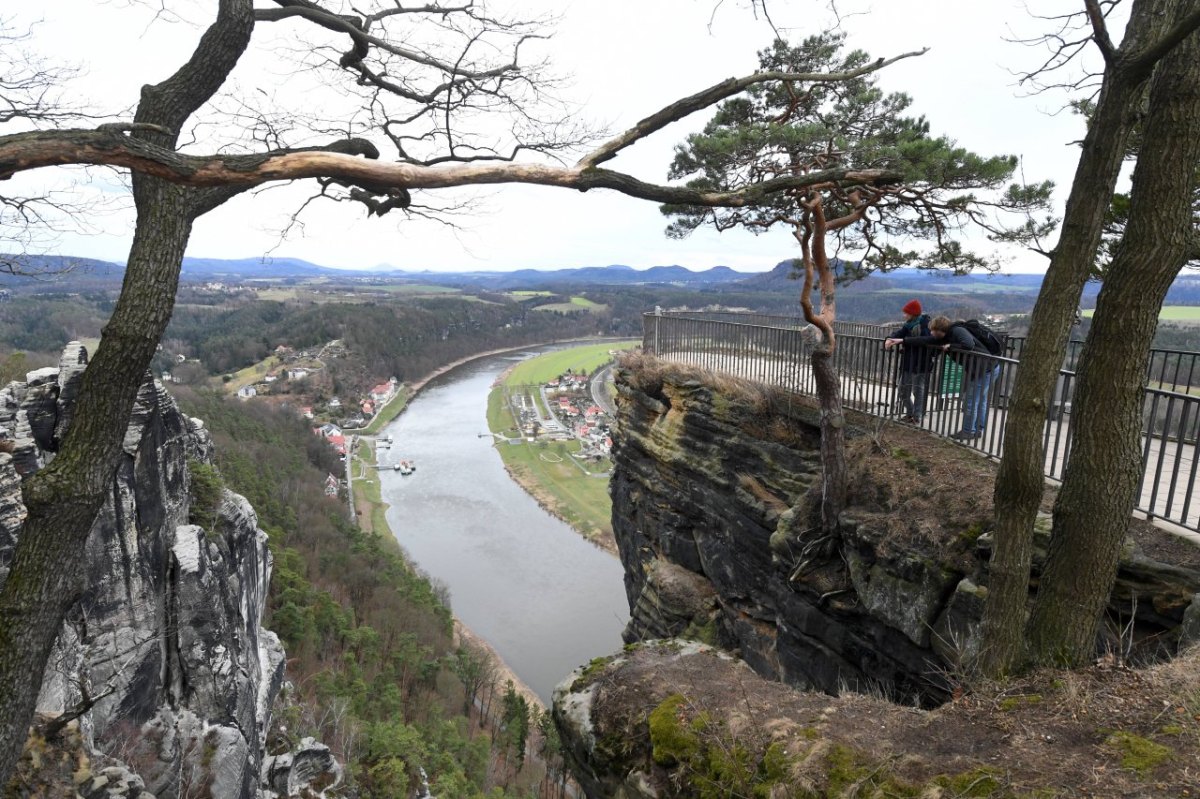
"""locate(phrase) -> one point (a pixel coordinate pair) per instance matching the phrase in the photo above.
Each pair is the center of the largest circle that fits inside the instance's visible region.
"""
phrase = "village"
(571, 412)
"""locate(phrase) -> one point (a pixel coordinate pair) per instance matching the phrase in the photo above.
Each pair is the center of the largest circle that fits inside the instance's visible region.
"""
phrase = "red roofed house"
(383, 392)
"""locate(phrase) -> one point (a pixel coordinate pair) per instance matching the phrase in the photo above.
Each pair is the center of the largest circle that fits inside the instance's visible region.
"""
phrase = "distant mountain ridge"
(218, 269)
(999, 291)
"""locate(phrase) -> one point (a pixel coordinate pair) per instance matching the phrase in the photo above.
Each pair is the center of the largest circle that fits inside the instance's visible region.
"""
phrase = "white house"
(382, 392)
(246, 392)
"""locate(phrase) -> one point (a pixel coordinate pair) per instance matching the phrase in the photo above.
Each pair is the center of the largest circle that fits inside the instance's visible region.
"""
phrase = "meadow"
(576, 493)
(543, 368)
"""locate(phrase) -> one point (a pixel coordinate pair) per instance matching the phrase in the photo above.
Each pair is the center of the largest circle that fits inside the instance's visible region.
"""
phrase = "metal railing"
(776, 350)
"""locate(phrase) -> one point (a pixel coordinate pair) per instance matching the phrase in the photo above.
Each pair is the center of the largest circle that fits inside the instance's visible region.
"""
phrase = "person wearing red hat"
(916, 362)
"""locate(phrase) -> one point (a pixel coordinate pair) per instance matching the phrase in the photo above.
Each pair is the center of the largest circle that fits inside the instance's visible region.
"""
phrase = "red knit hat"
(912, 308)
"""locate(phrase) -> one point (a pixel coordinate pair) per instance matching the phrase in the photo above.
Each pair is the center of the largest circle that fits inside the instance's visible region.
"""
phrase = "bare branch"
(722, 90)
(1100, 30)
(232, 173)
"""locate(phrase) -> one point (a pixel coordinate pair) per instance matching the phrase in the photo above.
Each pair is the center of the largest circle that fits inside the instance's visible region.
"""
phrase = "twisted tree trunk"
(1100, 486)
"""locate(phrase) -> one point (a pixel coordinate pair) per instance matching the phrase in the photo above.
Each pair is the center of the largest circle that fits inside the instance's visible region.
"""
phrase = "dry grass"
(1104, 731)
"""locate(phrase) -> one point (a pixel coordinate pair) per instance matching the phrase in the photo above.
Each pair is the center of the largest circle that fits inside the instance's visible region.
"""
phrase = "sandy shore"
(463, 634)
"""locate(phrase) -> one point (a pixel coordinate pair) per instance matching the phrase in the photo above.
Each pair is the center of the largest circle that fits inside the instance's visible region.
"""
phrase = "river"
(545, 599)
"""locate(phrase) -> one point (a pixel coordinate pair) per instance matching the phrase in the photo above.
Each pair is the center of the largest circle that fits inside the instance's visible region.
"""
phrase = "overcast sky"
(626, 59)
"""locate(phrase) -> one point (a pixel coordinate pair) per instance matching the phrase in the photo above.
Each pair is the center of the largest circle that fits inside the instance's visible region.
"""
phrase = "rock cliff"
(714, 496)
(166, 644)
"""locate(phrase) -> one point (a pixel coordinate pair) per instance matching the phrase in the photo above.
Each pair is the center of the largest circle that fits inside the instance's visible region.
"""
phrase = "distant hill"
(233, 270)
(256, 268)
(869, 297)
(613, 275)
(42, 269)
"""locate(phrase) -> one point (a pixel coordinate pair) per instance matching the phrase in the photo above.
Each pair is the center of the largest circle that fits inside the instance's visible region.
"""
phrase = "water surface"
(544, 598)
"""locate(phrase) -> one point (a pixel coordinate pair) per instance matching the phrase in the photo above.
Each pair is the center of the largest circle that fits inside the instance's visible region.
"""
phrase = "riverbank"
(599, 535)
(603, 539)
(523, 470)
(373, 520)
(547, 469)
(365, 488)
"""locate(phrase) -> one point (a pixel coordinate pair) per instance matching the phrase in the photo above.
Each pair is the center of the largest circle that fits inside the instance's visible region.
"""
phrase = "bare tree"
(416, 97)
(1153, 30)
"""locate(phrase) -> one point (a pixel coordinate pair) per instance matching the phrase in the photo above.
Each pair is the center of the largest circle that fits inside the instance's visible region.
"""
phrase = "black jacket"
(913, 356)
(962, 343)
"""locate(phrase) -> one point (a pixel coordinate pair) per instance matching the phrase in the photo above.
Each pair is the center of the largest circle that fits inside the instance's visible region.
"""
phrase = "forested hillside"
(373, 668)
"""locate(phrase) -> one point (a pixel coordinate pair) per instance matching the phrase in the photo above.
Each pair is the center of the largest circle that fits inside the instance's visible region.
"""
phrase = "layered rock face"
(715, 497)
(167, 638)
(714, 514)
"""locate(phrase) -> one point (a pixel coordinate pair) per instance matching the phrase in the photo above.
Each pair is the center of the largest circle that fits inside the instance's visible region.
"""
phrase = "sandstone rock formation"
(714, 496)
(167, 640)
(713, 502)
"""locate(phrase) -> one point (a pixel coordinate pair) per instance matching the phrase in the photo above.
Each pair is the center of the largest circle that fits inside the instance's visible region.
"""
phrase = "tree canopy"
(936, 190)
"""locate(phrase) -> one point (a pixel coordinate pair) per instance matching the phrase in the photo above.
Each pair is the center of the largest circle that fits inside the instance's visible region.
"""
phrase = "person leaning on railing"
(915, 362)
(978, 371)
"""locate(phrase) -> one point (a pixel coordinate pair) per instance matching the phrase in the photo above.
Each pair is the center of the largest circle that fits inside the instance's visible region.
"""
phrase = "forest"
(372, 666)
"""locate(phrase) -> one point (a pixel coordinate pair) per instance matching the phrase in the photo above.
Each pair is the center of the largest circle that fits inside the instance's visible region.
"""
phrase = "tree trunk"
(63, 499)
(833, 441)
(1101, 483)
(1020, 483)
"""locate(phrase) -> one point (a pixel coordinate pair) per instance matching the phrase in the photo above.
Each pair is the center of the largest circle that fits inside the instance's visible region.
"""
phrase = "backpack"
(989, 339)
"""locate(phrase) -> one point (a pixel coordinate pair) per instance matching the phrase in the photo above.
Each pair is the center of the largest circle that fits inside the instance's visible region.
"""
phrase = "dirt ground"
(1101, 732)
(910, 469)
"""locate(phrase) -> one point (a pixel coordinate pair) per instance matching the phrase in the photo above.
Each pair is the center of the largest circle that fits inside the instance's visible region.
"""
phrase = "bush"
(207, 488)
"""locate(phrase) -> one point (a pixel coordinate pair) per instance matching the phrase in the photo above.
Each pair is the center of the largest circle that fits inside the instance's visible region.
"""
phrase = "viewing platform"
(776, 350)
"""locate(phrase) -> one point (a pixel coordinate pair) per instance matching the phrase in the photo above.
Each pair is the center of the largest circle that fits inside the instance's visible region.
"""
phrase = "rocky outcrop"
(307, 771)
(714, 510)
(167, 640)
(713, 497)
(677, 718)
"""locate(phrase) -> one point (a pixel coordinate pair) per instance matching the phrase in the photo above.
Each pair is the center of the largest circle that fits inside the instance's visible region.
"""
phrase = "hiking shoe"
(964, 435)
(910, 420)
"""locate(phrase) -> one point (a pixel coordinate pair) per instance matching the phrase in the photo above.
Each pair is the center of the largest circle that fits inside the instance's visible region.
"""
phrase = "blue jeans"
(913, 388)
(975, 399)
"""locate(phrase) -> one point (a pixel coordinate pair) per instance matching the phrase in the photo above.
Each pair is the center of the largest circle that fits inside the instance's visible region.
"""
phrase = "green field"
(578, 359)
(251, 374)
(289, 294)
(418, 288)
(1187, 314)
(524, 295)
(545, 468)
(576, 305)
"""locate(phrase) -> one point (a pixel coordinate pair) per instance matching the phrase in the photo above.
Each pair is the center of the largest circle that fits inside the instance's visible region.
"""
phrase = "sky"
(625, 59)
